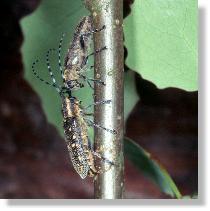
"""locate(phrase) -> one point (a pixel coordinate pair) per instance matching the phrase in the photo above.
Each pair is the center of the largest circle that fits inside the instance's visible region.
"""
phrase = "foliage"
(150, 168)
(161, 37)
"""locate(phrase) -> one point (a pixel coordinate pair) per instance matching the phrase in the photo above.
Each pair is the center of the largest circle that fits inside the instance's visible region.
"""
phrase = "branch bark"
(109, 68)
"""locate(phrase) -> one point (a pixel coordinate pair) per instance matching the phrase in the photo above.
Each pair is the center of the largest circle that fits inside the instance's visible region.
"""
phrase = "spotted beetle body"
(76, 137)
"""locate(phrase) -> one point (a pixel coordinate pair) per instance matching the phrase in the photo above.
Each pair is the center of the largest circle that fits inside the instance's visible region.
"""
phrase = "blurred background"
(34, 162)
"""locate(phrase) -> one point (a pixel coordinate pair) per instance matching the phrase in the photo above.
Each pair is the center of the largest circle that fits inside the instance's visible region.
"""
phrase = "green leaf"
(42, 30)
(161, 38)
(150, 168)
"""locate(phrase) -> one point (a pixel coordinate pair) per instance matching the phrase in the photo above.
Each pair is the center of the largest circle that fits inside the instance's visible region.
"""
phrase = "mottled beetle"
(75, 131)
(77, 56)
(76, 136)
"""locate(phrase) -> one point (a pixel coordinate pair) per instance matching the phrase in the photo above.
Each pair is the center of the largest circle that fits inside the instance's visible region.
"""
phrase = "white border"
(204, 138)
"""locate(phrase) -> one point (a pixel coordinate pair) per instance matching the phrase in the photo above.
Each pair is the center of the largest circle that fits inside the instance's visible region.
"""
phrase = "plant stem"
(109, 68)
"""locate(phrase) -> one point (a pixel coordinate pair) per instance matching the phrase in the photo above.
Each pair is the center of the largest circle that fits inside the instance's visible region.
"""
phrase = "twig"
(109, 68)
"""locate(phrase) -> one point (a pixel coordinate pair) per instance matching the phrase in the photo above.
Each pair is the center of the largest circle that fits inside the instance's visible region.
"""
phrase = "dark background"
(33, 161)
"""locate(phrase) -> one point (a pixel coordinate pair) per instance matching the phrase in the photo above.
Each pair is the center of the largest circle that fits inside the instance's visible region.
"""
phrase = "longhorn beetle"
(78, 144)
(77, 56)
(75, 130)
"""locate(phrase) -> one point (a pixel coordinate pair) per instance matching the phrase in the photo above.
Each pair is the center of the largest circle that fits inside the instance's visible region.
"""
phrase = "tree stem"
(109, 68)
